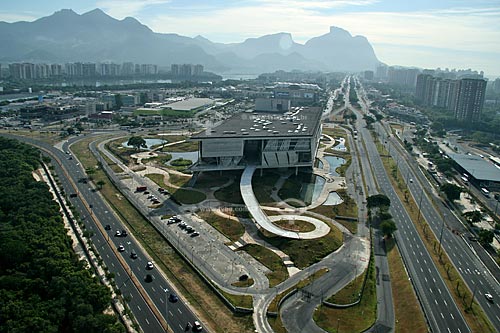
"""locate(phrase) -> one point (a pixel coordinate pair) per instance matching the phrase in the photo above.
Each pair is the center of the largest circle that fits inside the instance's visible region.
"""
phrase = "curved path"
(263, 220)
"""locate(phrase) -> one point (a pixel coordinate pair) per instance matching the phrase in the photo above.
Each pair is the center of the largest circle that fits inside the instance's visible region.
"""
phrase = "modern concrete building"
(298, 93)
(263, 139)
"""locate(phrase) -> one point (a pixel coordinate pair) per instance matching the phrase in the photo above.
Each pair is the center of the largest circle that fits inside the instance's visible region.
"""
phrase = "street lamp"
(441, 235)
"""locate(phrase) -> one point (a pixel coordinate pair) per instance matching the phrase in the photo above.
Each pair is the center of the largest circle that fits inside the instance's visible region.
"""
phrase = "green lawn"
(230, 193)
(356, 318)
(229, 228)
(306, 252)
(269, 259)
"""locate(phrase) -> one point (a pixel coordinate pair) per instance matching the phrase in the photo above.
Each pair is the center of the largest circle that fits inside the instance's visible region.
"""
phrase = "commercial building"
(481, 172)
(262, 139)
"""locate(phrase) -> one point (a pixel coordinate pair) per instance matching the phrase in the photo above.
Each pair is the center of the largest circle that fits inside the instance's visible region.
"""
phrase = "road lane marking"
(139, 308)
(179, 311)
(451, 315)
(442, 316)
(147, 321)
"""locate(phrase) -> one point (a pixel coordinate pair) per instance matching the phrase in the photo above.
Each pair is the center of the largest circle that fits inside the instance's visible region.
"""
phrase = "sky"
(450, 34)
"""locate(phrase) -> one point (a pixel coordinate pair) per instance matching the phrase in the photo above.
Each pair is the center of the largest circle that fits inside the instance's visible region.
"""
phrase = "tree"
(137, 142)
(451, 191)
(472, 216)
(378, 200)
(90, 172)
(70, 130)
(485, 236)
(100, 184)
(388, 227)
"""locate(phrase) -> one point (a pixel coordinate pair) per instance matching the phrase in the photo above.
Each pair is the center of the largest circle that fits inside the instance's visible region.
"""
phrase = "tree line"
(44, 287)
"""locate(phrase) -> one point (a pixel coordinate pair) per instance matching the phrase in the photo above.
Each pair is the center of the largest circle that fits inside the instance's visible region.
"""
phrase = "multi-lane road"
(439, 306)
(177, 314)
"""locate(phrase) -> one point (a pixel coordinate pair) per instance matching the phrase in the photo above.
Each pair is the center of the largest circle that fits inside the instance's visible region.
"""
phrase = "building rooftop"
(299, 121)
(478, 167)
(190, 104)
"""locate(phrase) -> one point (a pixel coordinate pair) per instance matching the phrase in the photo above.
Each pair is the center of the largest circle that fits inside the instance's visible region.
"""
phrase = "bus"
(485, 192)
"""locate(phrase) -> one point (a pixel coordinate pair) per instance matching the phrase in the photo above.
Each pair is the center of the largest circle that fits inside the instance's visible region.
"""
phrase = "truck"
(141, 188)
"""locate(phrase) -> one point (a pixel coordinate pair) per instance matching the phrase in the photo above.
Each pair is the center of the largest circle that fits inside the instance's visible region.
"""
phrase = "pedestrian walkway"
(262, 220)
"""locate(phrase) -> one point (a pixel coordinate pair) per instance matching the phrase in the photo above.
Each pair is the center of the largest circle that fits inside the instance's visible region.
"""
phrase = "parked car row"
(189, 229)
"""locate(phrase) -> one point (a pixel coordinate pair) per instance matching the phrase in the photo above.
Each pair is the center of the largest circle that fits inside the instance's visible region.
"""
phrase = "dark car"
(195, 234)
(107, 227)
(173, 298)
(133, 255)
(148, 278)
(73, 195)
(124, 233)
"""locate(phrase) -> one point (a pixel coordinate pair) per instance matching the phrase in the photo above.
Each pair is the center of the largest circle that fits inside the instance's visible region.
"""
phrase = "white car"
(197, 326)
(121, 248)
(489, 297)
(149, 265)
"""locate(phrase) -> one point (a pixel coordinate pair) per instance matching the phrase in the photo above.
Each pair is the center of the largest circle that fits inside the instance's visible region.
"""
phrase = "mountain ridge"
(96, 37)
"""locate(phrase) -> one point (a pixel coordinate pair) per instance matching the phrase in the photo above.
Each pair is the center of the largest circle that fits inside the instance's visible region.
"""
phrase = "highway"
(106, 243)
(439, 307)
(448, 227)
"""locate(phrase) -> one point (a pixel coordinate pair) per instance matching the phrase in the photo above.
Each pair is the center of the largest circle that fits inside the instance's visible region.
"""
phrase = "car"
(197, 326)
(107, 227)
(121, 248)
(195, 233)
(182, 225)
(124, 233)
(189, 229)
(489, 297)
(133, 255)
(151, 196)
(118, 233)
(411, 180)
(145, 192)
(161, 189)
(148, 278)
(173, 298)
(73, 195)
(149, 265)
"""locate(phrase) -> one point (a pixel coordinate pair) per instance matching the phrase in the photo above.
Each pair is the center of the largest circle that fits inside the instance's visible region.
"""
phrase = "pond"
(333, 199)
(334, 162)
(149, 143)
(189, 155)
(311, 191)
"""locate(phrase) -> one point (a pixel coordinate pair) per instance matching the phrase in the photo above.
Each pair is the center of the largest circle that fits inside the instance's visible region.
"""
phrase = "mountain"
(66, 36)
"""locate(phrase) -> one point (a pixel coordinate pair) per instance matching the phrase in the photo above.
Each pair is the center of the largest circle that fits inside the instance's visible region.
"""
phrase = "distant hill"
(66, 36)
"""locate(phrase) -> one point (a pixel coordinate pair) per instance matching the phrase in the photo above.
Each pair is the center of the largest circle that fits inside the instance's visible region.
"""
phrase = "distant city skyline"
(428, 34)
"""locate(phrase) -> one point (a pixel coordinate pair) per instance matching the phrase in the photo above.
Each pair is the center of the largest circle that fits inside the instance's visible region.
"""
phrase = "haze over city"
(426, 34)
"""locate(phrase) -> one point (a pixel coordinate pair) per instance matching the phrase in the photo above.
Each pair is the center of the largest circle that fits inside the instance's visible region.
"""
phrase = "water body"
(333, 199)
(189, 155)
(334, 162)
(149, 143)
(311, 191)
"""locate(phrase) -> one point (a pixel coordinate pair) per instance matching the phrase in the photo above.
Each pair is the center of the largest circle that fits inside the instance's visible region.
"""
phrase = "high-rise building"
(496, 85)
(470, 100)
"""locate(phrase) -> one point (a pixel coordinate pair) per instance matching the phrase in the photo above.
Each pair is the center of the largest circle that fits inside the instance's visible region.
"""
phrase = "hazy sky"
(424, 33)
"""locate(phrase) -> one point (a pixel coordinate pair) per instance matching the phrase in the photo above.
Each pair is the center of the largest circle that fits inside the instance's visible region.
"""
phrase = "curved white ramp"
(262, 220)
